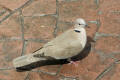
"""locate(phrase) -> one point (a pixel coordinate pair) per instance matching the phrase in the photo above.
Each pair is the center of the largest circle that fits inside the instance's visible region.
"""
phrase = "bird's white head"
(80, 23)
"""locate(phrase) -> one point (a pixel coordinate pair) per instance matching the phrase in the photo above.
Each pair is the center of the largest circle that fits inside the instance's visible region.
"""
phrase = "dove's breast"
(82, 37)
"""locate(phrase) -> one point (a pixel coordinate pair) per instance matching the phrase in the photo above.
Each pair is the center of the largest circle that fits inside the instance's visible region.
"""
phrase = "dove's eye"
(79, 24)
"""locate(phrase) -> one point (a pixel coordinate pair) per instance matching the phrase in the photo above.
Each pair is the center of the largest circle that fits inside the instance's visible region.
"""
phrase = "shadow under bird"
(64, 46)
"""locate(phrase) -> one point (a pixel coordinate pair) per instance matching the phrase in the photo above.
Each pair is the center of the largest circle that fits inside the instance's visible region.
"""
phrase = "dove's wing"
(64, 46)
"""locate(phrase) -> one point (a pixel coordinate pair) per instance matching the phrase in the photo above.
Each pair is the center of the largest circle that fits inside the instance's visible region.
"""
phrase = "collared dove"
(64, 46)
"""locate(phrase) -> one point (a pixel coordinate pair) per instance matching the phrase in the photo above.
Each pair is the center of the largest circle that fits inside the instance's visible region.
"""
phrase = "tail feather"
(26, 60)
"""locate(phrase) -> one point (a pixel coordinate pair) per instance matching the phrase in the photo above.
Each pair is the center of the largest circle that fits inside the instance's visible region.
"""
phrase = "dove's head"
(80, 23)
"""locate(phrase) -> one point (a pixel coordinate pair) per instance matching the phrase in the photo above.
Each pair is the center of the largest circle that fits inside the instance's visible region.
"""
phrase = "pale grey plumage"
(66, 45)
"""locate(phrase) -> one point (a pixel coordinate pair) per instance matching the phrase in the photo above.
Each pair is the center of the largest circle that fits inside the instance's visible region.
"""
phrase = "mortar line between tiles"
(100, 76)
(41, 15)
(57, 73)
(97, 2)
(8, 68)
(57, 18)
(98, 26)
(19, 39)
(22, 32)
(2, 12)
(73, 78)
(14, 11)
(27, 76)
(6, 17)
(36, 40)
(10, 39)
(99, 34)
(52, 74)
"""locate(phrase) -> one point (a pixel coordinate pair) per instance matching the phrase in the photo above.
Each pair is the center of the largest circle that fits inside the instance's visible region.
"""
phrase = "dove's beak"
(87, 26)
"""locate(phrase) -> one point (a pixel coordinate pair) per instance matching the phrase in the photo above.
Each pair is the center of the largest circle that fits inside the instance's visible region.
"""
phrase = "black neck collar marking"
(77, 31)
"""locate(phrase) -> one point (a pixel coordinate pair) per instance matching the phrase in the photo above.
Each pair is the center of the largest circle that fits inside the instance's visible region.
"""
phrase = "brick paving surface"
(26, 25)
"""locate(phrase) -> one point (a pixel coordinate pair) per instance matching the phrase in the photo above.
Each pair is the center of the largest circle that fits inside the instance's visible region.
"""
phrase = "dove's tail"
(26, 60)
